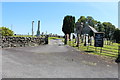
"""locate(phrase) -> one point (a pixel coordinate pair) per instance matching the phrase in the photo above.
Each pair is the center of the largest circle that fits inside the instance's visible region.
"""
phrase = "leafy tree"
(117, 35)
(109, 30)
(90, 21)
(6, 31)
(112, 31)
(100, 27)
(68, 25)
(83, 20)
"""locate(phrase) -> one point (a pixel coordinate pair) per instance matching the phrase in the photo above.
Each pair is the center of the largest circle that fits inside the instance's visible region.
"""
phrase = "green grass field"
(107, 50)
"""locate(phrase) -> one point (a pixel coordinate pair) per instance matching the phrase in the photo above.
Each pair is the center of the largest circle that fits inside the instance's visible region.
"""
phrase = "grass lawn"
(107, 50)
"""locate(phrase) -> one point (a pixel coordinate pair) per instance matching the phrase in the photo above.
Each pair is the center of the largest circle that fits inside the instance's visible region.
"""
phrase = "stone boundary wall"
(20, 41)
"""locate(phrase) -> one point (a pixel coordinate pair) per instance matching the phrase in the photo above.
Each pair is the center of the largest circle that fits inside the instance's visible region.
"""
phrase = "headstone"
(85, 39)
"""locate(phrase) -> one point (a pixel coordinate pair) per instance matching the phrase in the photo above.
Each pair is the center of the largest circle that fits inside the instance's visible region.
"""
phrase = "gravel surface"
(54, 61)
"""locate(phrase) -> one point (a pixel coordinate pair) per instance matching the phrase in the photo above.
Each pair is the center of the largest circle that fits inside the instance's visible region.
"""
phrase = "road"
(54, 61)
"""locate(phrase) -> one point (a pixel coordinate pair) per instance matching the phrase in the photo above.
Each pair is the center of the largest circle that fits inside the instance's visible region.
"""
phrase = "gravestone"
(85, 39)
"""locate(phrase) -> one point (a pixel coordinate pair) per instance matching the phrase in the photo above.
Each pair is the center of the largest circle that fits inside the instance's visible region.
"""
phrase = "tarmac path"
(54, 61)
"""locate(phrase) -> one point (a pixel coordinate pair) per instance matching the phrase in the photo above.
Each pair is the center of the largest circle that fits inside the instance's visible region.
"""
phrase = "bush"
(6, 31)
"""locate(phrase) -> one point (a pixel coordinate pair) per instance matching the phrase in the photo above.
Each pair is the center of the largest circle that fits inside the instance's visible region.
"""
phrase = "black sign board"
(99, 39)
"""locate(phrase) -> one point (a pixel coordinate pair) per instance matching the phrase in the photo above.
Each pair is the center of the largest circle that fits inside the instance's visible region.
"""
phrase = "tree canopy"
(6, 31)
(117, 35)
(108, 28)
(68, 24)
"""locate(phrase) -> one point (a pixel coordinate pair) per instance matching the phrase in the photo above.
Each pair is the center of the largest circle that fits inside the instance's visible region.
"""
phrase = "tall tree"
(68, 25)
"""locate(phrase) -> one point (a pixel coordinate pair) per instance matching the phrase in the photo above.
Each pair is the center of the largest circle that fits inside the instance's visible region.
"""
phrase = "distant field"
(108, 50)
(25, 36)
(54, 38)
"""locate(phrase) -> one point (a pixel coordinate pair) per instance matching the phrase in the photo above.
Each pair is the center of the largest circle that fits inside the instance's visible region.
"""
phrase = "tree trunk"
(85, 41)
(78, 40)
(107, 41)
(69, 37)
(65, 42)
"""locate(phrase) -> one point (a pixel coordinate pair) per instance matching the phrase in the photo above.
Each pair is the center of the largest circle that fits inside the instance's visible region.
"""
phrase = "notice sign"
(99, 39)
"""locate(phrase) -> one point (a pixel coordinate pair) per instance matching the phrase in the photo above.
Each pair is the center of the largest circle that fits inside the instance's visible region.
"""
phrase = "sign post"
(99, 40)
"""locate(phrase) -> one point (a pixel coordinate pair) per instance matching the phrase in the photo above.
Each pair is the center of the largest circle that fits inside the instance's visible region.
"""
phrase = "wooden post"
(101, 50)
(73, 40)
(65, 41)
(87, 47)
(78, 40)
(96, 49)
(118, 58)
(85, 41)
(69, 42)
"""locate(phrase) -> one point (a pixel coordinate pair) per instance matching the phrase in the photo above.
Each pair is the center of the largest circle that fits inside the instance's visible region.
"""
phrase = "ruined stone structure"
(87, 29)
(32, 28)
(38, 31)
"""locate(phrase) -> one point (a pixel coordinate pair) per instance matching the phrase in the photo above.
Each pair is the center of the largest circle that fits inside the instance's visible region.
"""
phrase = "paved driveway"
(54, 61)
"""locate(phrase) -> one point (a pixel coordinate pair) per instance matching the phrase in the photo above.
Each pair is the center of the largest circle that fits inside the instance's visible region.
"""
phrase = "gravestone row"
(21, 41)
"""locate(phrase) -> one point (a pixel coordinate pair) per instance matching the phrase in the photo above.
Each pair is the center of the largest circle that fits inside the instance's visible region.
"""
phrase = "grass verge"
(107, 50)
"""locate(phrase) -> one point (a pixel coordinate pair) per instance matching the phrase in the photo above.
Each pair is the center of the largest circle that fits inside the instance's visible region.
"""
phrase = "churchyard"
(55, 60)
(92, 36)
(106, 51)
(77, 41)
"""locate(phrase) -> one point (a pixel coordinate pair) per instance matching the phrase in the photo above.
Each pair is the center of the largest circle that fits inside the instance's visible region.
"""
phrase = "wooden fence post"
(118, 58)
(101, 50)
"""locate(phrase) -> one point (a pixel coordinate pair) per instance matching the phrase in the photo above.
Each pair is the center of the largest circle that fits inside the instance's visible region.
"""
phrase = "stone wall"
(21, 41)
